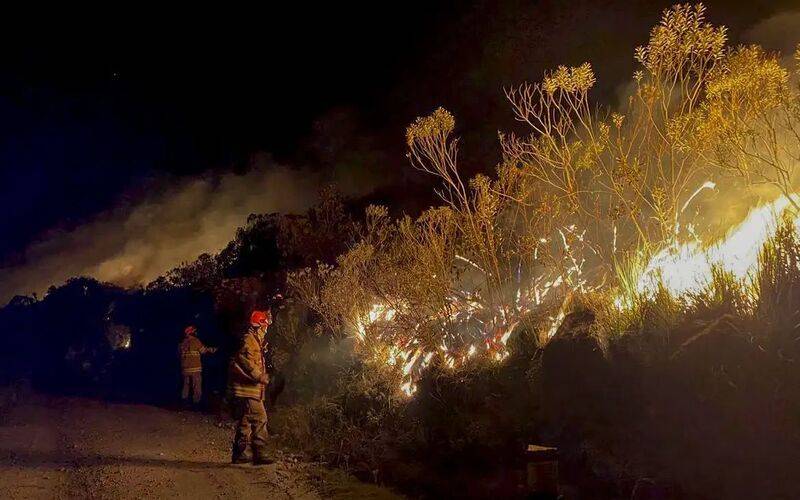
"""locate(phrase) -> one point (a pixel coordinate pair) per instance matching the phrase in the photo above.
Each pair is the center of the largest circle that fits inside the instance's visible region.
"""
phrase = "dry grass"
(638, 387)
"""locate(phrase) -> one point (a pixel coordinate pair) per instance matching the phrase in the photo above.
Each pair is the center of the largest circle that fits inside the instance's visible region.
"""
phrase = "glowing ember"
(474, 326)
(479, 329)
(473, 323)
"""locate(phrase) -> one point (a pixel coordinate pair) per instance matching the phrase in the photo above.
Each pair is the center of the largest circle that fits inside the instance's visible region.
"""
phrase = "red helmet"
(190, 330)
(259, 318)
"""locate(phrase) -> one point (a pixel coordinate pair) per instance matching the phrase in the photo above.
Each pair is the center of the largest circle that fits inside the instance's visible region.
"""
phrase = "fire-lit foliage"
(624, 286)
(455, 282)
(669, 224)
(591, 199)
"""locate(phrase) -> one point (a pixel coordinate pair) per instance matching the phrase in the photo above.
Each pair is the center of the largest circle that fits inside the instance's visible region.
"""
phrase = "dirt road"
(79, 448)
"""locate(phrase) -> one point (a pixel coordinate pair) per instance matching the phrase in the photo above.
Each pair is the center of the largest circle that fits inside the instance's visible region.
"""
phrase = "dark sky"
(90, 109)
(99, 108)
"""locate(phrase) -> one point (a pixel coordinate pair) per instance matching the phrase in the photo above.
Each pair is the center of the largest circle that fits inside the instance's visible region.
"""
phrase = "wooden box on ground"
(542, 466)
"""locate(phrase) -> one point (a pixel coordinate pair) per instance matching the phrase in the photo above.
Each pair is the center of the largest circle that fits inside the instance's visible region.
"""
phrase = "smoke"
(729, 204)
(135, 244)
(780, 33)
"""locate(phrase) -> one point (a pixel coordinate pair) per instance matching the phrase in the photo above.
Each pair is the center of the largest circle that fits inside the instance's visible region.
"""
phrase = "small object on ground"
(542, 471)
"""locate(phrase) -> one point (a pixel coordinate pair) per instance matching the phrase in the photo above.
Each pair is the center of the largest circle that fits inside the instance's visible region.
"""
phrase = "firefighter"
(191, 349)
(247, 381)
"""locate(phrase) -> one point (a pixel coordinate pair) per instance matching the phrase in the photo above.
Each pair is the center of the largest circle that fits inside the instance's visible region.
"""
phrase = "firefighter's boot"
(241, 453)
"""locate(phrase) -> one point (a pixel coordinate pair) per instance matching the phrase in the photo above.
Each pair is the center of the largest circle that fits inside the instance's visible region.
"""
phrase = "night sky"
(90, 110)
(100, 109)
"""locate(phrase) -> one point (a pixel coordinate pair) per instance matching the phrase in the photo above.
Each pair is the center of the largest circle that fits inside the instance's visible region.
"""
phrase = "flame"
(687, 268)
(466, 312)
(412, 360)
(409, 388)
(378, 312)
(474, 327)
(681, 268)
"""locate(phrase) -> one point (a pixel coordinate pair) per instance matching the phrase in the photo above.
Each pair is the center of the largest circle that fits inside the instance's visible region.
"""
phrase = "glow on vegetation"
(684, 268)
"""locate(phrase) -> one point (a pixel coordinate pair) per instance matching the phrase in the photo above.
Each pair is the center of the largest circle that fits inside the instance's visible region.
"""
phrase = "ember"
(581, 198)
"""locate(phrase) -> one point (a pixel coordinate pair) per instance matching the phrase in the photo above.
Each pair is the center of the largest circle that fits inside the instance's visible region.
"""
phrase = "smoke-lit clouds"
(136, 244)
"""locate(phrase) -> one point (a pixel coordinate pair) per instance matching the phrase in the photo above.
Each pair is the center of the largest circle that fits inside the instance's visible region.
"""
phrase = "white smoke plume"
(134, 245)
(780, 32)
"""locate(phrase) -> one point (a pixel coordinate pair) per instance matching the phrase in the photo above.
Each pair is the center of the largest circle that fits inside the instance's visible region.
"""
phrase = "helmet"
(259, 318)
(190, 330)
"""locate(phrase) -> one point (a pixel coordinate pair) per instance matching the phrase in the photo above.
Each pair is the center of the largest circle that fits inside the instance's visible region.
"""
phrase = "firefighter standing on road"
(247, 381)
(191, 349)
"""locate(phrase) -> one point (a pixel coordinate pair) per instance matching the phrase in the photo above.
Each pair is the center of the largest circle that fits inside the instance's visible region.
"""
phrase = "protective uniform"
(247, 380)
(191, 349)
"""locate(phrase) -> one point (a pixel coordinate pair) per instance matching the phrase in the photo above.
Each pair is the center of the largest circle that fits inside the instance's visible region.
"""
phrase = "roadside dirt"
(80, 448)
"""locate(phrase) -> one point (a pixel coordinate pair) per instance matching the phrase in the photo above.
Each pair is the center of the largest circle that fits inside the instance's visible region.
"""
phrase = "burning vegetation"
(622, 203)
(624, 287)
